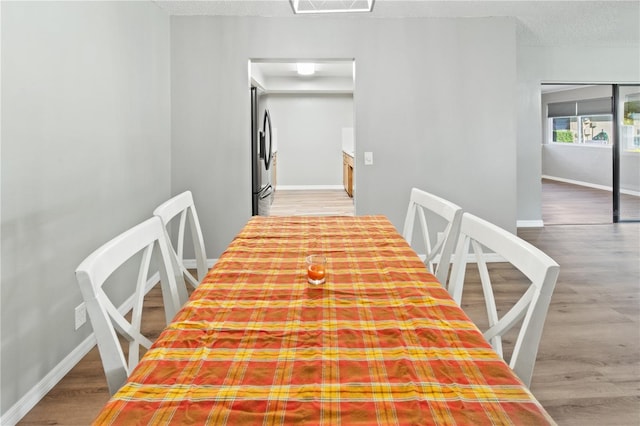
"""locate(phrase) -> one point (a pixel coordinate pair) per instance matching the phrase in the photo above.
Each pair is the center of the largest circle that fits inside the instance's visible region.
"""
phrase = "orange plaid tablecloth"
(381, 342)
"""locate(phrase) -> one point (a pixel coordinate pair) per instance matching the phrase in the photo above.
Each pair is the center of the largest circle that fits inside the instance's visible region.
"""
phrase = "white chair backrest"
(149, 239)
(531, 308)
(182, 205)
(421, 201)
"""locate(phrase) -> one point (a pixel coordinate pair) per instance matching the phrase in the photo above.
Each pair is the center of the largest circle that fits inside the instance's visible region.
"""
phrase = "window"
(581, 122)
(630, 126)
(591, 129)
(565, 129)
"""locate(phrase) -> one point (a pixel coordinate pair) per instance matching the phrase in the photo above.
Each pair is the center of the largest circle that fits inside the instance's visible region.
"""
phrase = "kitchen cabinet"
(347, 173)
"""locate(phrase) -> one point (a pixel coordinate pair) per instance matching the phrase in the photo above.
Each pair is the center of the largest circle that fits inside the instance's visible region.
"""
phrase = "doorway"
(311, 104)
(626, 153)
(589, 150)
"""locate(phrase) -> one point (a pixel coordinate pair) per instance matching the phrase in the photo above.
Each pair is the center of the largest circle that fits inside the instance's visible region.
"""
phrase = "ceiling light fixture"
(331, 6)
(306, 68)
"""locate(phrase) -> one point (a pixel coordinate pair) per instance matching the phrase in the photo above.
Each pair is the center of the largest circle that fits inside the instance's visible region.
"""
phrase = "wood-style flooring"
(568, 204)
(329, 202)
(588, 367)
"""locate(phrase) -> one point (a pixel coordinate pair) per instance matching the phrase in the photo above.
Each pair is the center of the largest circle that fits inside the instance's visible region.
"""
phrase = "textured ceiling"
(588, 23)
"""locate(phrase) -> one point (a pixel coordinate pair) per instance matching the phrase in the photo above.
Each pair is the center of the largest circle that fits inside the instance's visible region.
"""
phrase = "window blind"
(583, 107)
(561, 109)
(595, 106)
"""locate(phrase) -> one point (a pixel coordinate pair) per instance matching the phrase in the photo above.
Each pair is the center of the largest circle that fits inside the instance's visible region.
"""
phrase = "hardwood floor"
(568, 204)
(334, 202)
(588, 367)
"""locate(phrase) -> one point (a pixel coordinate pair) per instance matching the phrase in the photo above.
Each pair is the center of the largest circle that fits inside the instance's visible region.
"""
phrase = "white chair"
(182, 205)
(532, 306)
(421, 202)
(149, 239)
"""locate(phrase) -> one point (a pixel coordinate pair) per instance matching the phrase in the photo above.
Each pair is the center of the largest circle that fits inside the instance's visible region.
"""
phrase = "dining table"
(380, 342)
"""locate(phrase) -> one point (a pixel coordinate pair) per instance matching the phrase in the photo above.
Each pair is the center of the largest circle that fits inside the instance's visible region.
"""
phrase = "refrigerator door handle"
(266, 124)
(262, 145)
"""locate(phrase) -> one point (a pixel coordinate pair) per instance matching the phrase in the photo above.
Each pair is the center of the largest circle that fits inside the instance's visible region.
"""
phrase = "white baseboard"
(25, 404)
(628, 192)
(20, 409)
(306, 187)
(577, 182)
(590, 185)
(529, 224)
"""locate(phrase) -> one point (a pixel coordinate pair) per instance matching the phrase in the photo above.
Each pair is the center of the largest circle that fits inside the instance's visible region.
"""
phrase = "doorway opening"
(590, 153)
(311, 108)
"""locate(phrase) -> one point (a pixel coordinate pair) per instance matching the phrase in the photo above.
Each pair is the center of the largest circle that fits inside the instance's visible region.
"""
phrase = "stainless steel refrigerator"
(261, 153)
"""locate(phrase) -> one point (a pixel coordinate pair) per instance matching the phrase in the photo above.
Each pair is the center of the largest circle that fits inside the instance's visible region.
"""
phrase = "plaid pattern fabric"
(380, 343)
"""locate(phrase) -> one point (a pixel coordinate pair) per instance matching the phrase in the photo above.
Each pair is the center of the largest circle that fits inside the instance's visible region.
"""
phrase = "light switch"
(368, 158)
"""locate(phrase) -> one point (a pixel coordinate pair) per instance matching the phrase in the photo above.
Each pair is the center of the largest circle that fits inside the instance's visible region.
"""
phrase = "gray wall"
(558, 64)
(309, 133)
(584, 164)
(421, 107)
(85, 155)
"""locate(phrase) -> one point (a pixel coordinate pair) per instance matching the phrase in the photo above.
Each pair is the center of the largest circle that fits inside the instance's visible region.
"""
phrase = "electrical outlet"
(81, 315)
